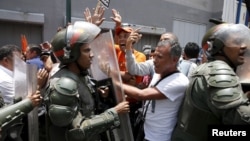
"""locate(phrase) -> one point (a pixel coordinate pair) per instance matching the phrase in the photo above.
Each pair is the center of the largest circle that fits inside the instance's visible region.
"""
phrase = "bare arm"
(42, 76)
(143, 94)
(116, 18)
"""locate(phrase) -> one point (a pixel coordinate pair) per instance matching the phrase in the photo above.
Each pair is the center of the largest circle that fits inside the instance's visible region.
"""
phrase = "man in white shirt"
(7, 53)
(166, 92)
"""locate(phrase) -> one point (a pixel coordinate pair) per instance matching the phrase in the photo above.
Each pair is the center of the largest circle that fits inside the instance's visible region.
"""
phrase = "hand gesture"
(97, 17)
(42, 76)
(133, 38)
(122, 107)
(116, 18)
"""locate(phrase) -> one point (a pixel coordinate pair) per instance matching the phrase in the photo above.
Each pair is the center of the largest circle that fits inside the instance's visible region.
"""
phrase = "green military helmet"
(66, 43)
(209, 35)
(226, 34)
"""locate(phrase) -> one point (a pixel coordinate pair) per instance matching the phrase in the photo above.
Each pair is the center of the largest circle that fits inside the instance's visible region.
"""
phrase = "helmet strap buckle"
(66, 52)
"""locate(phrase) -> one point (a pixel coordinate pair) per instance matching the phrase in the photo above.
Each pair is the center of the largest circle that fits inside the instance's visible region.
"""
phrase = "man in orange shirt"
(123, 34)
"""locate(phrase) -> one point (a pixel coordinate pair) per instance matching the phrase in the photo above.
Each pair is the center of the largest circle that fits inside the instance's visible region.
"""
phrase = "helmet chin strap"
(83, 72)
(230, 63)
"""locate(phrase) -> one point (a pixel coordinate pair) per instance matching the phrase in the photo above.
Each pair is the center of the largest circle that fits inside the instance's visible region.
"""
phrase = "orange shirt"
(140, 57)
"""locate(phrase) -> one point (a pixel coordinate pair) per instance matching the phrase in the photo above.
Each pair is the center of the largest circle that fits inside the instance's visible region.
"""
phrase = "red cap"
(125, 29)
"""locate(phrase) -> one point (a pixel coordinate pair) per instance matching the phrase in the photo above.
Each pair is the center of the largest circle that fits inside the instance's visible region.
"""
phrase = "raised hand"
(42, 76)
(116, 17)
(97, 16)
(133, 38)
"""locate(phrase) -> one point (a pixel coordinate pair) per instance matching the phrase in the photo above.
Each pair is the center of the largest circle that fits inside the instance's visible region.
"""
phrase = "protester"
(190, 58)
(122, 33)
(165, 93)
(33, 55)
(7, 53)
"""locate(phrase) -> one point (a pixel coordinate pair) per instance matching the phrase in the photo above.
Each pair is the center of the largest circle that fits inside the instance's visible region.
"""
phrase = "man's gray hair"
(176, 49)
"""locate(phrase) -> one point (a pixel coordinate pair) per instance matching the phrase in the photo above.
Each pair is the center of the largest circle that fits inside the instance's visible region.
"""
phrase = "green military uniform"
(70, 97)
(214, 97)
(71, 109)
(10, 118)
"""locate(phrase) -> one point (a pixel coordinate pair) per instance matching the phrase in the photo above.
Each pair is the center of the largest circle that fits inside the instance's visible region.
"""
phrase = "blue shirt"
(36, 61)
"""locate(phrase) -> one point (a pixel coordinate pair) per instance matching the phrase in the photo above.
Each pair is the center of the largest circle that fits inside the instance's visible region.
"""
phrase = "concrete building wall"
(155, 13)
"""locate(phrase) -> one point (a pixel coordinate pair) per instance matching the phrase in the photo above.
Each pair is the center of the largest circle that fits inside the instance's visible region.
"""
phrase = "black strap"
(165, 77)
(153, 101)
(144, 110)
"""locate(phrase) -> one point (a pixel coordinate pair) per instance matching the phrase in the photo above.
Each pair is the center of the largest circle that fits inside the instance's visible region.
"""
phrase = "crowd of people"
(179, 93)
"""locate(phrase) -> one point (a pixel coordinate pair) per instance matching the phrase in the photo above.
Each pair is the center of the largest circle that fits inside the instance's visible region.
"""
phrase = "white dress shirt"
(7, 85)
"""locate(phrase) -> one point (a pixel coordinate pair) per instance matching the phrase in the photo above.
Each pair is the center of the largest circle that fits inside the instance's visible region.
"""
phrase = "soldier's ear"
(217, 45)
(214, 46)
(209, 46)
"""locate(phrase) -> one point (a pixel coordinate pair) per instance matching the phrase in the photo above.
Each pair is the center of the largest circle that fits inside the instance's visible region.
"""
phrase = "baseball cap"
(125, 29)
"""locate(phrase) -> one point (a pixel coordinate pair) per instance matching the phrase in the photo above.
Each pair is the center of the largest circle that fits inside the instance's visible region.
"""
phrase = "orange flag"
(24, 43)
